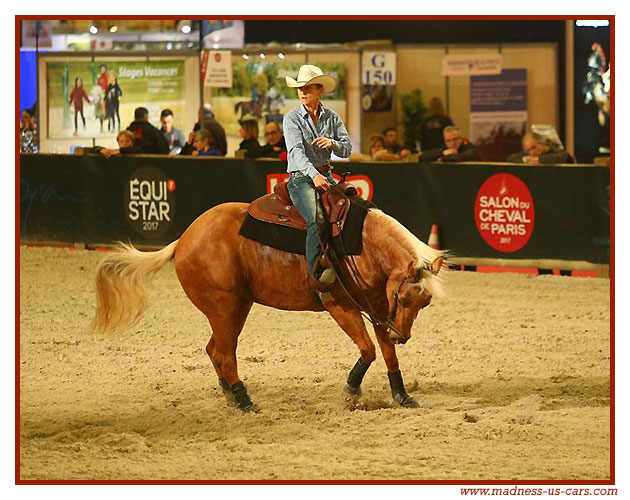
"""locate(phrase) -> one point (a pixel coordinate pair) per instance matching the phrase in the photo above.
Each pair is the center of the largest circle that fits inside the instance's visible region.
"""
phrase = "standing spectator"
(432, 126)
(112, 104)
(76, 97)
(457, 149)
(146, 138)
(174, 137)
(276, 147)
(539, 151)
(28, 131)
(203, 143)
(249, 133)
(206, 120)
(390, 134)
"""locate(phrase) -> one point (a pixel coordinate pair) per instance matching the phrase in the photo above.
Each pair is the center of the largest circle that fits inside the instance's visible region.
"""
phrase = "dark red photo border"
(611, 481)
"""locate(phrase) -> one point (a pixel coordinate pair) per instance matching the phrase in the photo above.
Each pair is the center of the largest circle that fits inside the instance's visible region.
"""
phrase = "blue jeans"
(302, 192)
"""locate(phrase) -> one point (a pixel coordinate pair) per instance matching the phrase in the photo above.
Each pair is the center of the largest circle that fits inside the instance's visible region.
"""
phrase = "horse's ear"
(436, 265)
(414, 273)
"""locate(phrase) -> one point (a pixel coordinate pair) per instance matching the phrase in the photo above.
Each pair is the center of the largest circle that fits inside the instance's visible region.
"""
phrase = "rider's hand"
(321, 182)
(323, 142)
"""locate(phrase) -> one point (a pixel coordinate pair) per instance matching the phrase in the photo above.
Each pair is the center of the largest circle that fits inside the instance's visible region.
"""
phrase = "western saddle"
(277, 207)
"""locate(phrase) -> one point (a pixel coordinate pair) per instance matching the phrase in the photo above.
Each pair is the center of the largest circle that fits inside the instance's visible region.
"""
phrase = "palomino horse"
(224, 273)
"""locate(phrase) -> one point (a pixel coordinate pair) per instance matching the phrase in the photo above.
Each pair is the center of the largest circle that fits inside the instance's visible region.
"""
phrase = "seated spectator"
(377, 151)
(28, 131)
(204, 144)
(433, 125)
(539, 151)
(390, 135)
(206, 120)
(276, 146)
(457, 149)
(125, 146)
(408, 148)
(249, 133)
(146, 138)
(174, 137)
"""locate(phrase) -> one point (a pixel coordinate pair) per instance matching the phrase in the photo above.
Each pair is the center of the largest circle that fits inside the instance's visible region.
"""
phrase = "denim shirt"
(299, 133)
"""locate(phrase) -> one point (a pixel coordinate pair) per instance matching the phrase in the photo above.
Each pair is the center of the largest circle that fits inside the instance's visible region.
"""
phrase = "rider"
(312, 132)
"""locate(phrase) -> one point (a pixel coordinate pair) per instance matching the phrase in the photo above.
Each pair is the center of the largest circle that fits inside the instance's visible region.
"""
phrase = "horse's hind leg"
(227, 315)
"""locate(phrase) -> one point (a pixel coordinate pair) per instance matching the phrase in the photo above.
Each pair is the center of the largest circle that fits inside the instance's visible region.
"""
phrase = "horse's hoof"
(406, 401)
(253, 408)
(353, 391)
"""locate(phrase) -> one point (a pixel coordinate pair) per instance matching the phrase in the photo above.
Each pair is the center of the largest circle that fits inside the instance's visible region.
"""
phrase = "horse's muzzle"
(397, 339)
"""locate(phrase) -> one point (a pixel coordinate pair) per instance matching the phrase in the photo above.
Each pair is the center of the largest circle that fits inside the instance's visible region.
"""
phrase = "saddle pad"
(293, 240)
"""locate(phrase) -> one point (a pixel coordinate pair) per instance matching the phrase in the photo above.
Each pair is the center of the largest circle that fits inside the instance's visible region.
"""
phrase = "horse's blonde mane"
(422, 253)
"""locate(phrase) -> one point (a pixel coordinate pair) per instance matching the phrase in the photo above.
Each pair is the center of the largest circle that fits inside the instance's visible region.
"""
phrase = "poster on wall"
(498, 113)
(216, 68)
(378, 81)
(97, 99)
(260, 91)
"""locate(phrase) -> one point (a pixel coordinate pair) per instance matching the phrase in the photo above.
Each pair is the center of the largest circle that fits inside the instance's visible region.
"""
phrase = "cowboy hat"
(310, 75)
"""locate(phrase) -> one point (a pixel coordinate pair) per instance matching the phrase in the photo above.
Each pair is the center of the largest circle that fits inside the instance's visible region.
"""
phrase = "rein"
(356, 278)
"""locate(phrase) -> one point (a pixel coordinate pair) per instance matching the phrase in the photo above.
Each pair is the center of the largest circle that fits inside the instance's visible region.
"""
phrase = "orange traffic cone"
(434, 240)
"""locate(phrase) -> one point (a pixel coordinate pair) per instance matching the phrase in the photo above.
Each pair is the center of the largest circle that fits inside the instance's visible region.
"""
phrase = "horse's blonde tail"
(120, 296)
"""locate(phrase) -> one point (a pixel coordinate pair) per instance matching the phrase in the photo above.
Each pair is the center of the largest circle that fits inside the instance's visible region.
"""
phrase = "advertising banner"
(471, 64)
(97, 99)
(498, 113)
(216, 69)
(482, 211)
(260, 91)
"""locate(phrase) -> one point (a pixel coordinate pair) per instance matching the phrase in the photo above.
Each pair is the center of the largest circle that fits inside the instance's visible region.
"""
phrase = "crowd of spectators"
(439, 139)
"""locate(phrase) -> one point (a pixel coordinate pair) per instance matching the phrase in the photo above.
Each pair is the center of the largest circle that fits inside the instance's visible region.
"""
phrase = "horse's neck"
(389, 245)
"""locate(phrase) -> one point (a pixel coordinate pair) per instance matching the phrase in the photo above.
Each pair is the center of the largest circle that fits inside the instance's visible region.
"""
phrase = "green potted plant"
(412, 113)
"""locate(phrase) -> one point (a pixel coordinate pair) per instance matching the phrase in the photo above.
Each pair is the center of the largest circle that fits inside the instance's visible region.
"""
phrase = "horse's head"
(408, 293)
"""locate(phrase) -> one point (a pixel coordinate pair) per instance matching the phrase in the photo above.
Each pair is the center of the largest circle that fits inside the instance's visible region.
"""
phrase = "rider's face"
(310, 95)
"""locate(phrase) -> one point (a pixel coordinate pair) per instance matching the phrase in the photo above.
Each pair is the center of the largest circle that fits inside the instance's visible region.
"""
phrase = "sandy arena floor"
(511, 371)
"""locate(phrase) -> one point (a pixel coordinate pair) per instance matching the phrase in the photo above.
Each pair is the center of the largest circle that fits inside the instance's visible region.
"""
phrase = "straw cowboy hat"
(309, 75)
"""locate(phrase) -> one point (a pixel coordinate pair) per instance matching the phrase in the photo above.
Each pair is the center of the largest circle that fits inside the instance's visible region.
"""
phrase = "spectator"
(174, 137)
(390, 135)
(204, 144)
(457, 149)
(432, 126)
(125, 139)
(408, 148)
(276, 147)
(377, 151)
(146, 138)
(539, 151)
(76, 96)
(249, 133)
(206, 120)
(28, 131)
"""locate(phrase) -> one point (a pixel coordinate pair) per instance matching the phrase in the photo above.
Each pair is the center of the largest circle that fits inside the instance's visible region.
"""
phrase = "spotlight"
(93, 30)
(113, 29)
(190, 45)
(169, 46)
(262, 55)
(186, 28)
(281, 55)
(245, 56)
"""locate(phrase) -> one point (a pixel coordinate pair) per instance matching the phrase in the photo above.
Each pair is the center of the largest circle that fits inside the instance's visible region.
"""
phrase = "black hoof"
(405, 400)
(242, 399)
(353, 391)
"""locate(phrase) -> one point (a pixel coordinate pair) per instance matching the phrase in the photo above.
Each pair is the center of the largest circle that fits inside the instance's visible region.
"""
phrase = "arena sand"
(511, 372)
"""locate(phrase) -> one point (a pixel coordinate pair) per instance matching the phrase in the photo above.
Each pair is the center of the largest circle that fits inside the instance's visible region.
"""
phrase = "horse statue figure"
(98, 101)
(224, 273)
(250, 107)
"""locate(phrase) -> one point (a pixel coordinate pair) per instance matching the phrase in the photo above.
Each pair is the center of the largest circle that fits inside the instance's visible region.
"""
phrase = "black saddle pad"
(293, 240)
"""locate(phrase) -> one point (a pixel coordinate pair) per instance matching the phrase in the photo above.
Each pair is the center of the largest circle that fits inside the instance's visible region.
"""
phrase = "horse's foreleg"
(352, 323)
(393, 371)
